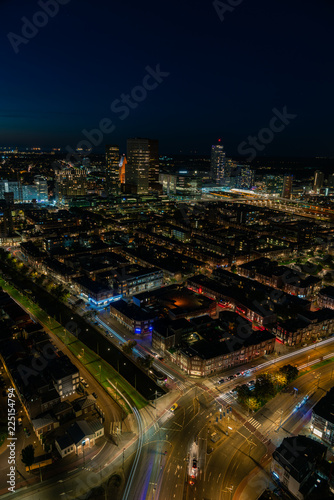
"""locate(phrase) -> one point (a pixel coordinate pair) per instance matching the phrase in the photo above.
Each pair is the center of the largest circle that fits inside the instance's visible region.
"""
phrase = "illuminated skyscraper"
(273, 184)
(287, 186)
(246, 180)
(219, 171)
(142, 167)
(331, 180)
(318, 180)
(112, 169)
(122, 168)
(42, 188)
(70, 183)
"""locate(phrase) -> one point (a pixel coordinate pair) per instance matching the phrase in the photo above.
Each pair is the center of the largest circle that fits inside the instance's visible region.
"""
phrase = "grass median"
(98, 367)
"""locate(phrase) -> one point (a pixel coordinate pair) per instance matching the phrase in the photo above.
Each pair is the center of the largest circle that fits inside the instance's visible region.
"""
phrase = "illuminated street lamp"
(83, 451)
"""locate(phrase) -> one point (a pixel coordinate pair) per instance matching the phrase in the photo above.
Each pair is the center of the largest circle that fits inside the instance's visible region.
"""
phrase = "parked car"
(173, 408)
(19, 420)
(94, 394)
(221, 381)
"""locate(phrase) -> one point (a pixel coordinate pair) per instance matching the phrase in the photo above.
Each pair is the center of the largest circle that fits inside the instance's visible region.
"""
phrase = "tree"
(128, 346)
(146, 362)
(253, 404)
(291, 373)
(244, 393)
(28, 455)
(264, 387)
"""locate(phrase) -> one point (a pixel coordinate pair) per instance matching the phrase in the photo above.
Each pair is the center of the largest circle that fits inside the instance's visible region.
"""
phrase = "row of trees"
(266, 387)
(145, 362)
(58, 291)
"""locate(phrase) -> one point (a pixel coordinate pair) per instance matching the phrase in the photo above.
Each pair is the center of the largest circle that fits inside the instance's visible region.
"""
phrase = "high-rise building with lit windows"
(273, 184)
(287, 187)
(142, 167)
(318, 180)
(42, 188)
(331, 181)
(219, 170)
(70, 183)
(112, 169)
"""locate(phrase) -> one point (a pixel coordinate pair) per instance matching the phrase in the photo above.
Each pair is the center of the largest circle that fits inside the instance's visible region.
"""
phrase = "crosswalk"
(252, 424)
(227, 398)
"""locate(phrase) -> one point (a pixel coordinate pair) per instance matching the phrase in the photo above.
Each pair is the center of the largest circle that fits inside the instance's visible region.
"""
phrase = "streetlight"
(83, 451)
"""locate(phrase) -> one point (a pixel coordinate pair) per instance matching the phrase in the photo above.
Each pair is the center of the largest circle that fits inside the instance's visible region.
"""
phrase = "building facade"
(112, 169)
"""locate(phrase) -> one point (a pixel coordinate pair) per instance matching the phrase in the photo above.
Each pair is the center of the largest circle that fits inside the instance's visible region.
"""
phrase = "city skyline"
(190, 78)
(167, 250)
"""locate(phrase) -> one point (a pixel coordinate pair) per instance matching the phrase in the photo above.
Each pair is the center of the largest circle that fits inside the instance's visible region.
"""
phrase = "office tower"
(8, 209)
(218, 174)
(142, 164)
(11, 187)
(70, 183)
(246, 178)
(29, 193)
(287, 186)
(154, 162)
(318, 180)
(331, 181)
(122, 169)
(168, 182)
(42, 188)
(273, 184)
(112, 169)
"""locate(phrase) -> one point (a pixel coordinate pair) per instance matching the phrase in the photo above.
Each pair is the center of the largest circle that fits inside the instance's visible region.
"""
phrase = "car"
(238, 374)
(251, 382)
(160, 358)
(26, 432)
(19, 420)
(94, 394)
(85, 384)
(230, 377)
(221, 381)
(174, 407)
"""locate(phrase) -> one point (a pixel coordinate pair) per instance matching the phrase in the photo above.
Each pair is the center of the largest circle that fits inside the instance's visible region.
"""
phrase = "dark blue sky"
(225, 77)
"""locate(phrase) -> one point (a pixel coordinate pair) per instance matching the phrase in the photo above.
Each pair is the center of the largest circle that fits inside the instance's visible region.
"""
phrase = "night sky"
(225, 77)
